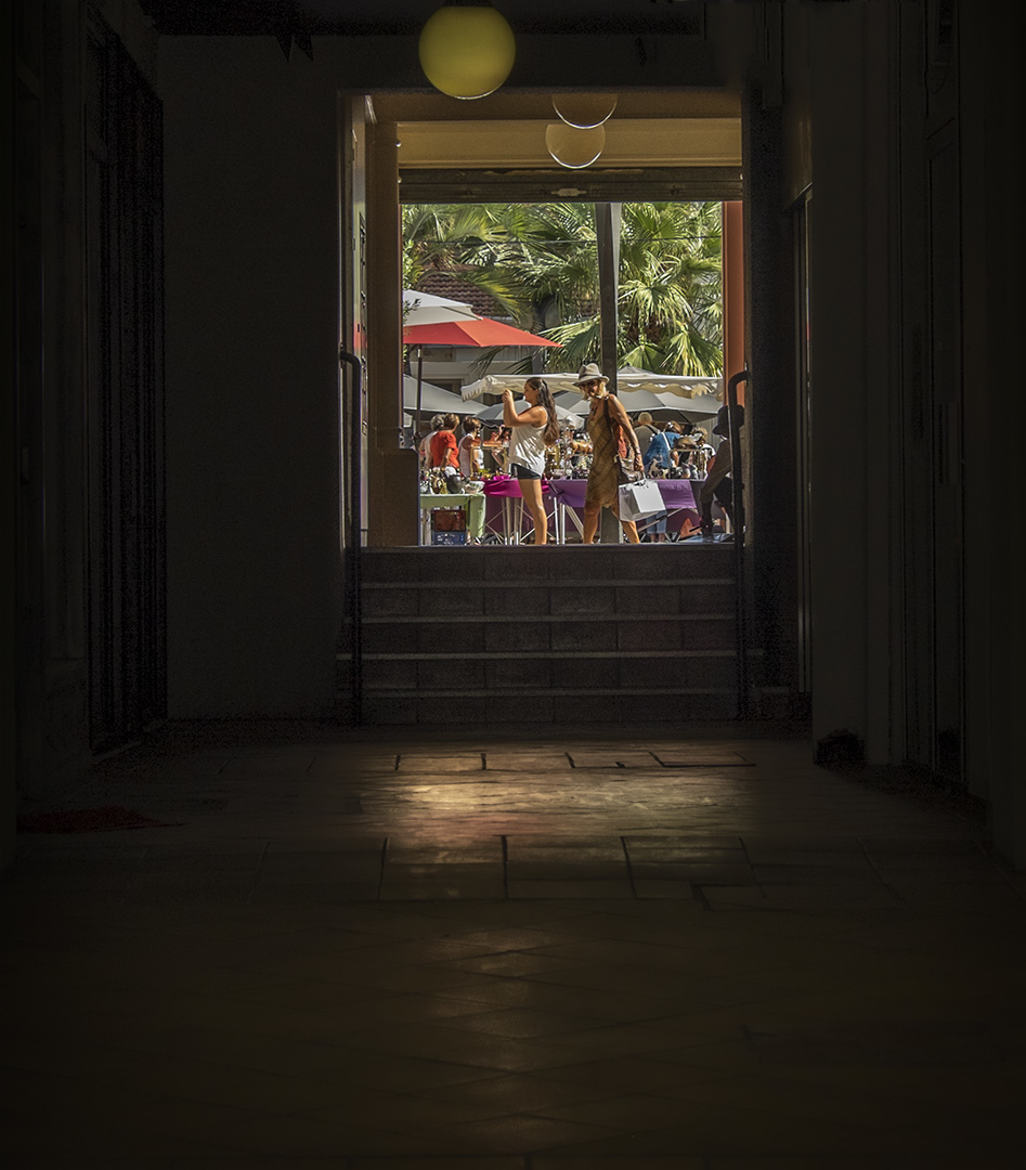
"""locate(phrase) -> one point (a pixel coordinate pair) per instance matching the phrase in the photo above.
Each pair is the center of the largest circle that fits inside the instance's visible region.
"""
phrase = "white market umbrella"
(665, 405)
(424, 309)
(701, 406)
(571, 400)
(496, 383)
(420, 308)
(628, 379)
(660, 406)
(494, 413)
(635, 401)
(433, 399)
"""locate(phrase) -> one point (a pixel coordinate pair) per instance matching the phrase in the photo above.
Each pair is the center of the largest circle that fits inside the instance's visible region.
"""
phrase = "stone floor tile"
(427, 764)
(456, 1046)
(630, 1111)
(958, 897)
(837, 895)
(567, 870)
(510, 963)
(409, 851)
(408, 1074)
(428, 889)
(518, 1134)
(693, 875)
(437, 949)
(631, 1074)
(525, 1023)
(500, 760)
(572, 998)
(732, 897)
(281, 895)
(499, 992)
(794, 1022)
(702, 756)
(574, 1161)
(656, 888)
(617, 758)
(513, 1093)
(840, 1161)
(597, 888)
(445, 1162)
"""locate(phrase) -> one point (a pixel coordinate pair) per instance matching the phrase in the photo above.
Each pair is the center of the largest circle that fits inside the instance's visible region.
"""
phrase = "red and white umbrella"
(458, 331)
(480, 332)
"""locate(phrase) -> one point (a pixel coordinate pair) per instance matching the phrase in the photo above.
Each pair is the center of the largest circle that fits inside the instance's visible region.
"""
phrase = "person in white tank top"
(530, 432)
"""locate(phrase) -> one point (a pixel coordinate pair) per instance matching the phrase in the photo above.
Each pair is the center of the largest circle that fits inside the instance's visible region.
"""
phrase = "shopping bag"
(640, 499)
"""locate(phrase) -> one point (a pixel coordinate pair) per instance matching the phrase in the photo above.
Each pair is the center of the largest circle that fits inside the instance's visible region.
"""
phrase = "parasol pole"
(420, 379)
(607, 238)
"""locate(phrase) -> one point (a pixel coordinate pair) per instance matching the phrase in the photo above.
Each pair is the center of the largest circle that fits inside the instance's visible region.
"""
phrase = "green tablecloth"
(473, 503)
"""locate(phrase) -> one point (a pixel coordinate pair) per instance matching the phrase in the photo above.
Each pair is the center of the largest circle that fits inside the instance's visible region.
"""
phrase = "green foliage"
(539, 261)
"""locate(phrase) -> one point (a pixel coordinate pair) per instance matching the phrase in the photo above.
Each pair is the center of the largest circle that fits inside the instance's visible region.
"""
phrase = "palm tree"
(540, 262)
(669, 304)
(459, 239)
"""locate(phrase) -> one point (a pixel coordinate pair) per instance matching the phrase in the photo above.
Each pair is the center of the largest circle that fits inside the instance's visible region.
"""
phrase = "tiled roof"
(449, 284)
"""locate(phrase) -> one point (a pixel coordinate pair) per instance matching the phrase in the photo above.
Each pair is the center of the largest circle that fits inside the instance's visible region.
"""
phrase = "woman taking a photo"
(530, 432)
(615, 453)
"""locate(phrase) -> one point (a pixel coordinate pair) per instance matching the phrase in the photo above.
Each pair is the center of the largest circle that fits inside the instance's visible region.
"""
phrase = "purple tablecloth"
(678, 496)
(676, 493)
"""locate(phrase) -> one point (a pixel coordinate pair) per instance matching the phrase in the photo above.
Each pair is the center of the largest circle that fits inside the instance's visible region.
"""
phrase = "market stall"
(447, 529)
(506, 517)
(678, 496)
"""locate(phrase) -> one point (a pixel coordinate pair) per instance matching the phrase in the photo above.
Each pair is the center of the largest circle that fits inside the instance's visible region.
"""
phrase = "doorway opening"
(673, 150)
(473, 273)
(591, 610)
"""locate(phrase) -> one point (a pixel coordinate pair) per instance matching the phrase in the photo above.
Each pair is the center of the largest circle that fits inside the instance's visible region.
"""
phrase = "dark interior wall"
(252, 379)
(796, 156)
(854, 501)
(769, 398)
(8, 494)
(990, 112)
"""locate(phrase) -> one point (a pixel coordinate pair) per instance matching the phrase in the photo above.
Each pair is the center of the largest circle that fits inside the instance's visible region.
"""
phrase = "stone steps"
(576, 634)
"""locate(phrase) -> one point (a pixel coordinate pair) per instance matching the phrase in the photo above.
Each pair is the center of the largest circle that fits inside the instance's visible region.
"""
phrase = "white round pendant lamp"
(572, 147)
(584, 110)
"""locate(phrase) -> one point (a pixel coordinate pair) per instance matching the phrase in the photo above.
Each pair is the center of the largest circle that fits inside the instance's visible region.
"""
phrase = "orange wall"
(733, 293)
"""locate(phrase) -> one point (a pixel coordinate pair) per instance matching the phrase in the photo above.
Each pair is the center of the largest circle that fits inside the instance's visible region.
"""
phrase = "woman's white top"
(470, 460)
(527, 446)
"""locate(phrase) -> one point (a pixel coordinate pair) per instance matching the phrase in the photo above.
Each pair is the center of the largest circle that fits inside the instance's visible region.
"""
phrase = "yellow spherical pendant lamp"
(467, 50)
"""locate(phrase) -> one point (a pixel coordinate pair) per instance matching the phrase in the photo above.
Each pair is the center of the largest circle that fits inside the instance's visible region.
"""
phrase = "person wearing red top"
(443, 449)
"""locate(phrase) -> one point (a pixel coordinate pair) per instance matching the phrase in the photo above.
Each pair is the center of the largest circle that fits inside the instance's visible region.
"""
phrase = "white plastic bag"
(640, 499)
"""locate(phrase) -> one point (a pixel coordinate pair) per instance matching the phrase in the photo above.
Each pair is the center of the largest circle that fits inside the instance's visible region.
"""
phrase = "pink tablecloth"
(506, 485)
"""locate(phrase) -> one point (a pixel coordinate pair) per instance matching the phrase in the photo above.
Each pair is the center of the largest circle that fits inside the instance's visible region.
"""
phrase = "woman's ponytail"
(545, 399)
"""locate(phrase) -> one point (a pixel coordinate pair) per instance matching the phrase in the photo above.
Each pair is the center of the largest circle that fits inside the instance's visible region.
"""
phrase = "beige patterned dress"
(604, 476)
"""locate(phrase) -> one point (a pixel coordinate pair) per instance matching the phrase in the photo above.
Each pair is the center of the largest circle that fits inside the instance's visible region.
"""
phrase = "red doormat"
(88, 820)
